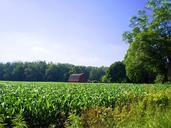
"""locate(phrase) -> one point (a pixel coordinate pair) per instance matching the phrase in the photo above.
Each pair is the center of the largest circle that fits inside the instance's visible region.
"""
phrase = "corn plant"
(50, 104)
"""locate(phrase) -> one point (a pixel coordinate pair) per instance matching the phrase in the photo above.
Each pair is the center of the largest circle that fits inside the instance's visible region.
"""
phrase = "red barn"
(77, 78)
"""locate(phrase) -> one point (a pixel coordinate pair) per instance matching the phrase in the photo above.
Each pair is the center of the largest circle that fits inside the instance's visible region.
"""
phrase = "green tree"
(149, 52)
(51, 72)
(18, 71)
(63, 72)
(96, 73)
(7, 71)
(35, 71)
(1, 71)
(116, 73)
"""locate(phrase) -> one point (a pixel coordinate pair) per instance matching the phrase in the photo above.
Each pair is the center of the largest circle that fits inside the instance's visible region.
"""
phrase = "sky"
(79, 32)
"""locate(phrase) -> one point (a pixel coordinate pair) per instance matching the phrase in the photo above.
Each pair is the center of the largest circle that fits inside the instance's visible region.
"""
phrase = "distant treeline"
(42, 71)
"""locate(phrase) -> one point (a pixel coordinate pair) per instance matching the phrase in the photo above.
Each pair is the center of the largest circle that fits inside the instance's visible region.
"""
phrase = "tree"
(51, 72)
(34, 71)
(136, 67)
(7, 71)
(59, 72)
(149, 52)
(1, 71)
(63, 72)
(40, 68)
(116, 73)
(18, 71)
(96, 74)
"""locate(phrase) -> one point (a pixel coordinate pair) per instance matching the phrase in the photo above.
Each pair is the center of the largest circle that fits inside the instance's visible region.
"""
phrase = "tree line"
(42, 71)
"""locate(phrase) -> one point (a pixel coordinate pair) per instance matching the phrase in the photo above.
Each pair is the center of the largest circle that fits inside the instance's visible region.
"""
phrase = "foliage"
(104, 79)
(130, 117)
(2, 124)
(45, 104)
(149, 52)
(18, 122)
(42, 71)
(96, 74)
(159, 79)
(73, 122)
(116, 73)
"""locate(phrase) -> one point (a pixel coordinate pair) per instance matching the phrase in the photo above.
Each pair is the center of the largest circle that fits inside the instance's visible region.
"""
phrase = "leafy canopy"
(149, 53)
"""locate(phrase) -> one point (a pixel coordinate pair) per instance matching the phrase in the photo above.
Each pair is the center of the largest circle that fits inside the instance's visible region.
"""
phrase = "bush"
(159, 79)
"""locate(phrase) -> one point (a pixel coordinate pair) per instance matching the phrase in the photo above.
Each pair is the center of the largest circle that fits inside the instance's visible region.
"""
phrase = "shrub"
(159, 79)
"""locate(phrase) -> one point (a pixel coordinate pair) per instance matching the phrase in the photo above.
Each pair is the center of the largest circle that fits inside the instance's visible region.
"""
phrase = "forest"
(42, 71)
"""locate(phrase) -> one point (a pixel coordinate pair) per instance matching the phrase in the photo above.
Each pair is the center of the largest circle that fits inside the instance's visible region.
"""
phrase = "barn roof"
(75, 77)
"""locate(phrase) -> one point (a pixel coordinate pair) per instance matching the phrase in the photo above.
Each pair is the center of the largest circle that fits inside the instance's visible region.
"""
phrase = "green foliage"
(73, 122)
(18, 122)
(136, 68)
(104, 79)
(159, 79)
(149, 53)
(116, 73)
(96, 74)
(127, 118)
(42, 71)
(2, 122)
(98, 117)
(70, 104)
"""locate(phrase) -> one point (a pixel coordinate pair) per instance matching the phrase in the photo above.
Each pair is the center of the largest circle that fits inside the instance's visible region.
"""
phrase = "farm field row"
(50, 104)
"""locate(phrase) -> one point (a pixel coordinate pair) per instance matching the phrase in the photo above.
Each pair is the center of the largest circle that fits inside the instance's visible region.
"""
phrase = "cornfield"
(48, 104)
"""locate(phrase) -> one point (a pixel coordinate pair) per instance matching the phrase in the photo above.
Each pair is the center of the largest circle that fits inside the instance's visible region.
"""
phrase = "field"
(84, 105)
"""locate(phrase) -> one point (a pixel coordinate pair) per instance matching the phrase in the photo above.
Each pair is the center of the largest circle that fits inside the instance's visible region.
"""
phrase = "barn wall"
(82, 78)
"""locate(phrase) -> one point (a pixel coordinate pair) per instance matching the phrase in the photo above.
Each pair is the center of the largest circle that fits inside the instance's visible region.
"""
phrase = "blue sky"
(80, 32)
